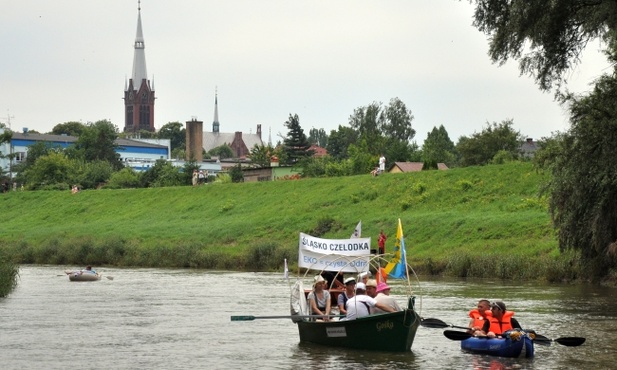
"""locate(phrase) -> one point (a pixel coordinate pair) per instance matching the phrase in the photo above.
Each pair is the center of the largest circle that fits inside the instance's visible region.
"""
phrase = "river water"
(180, 319)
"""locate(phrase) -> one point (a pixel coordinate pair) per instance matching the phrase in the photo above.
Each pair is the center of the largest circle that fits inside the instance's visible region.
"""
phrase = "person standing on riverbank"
(381, 242)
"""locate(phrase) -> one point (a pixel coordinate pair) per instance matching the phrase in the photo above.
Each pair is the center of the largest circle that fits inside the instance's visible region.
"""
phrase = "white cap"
(360, 286)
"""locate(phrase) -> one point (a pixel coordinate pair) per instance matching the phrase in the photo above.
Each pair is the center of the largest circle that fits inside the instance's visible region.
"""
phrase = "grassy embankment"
(477, 221)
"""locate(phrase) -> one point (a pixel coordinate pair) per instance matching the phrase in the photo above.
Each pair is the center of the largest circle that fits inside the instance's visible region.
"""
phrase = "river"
(180, 319)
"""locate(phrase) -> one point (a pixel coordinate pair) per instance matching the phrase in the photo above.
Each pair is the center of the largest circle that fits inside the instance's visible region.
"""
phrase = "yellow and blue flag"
(397, 267)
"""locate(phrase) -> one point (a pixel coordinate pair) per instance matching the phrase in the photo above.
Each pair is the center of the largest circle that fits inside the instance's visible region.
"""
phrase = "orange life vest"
(499, 327)
(479, 320)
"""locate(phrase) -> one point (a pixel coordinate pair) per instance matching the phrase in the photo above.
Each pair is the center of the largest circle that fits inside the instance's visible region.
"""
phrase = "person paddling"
(500, 322)
(479, 316)
(89, 269)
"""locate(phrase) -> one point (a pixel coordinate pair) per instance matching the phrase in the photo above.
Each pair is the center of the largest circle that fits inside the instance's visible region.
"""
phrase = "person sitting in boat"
(500, 322)
(350, 291)
(334, 279)
(383, 296)
(371, 288)
(319, 298)
(361, 304)
(479, 315)
(364, 276)
(89, 269)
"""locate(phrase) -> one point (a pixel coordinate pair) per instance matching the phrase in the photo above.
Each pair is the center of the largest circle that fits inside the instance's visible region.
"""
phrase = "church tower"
(138, 93)
(215, 124)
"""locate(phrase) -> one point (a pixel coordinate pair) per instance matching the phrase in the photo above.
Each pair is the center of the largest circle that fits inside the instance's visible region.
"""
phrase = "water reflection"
(179, 319)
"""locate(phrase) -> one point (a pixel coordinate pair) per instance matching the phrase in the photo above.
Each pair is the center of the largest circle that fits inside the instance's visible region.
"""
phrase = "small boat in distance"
(83, 275)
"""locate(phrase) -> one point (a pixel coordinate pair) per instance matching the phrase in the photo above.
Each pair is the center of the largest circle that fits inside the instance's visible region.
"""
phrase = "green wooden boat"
(392, 332)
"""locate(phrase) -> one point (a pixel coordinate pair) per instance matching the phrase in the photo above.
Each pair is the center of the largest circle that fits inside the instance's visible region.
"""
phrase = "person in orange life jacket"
(500, 322)
(479, 316)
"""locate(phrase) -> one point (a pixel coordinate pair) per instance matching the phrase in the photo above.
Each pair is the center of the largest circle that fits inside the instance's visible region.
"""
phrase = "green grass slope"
(470, 212)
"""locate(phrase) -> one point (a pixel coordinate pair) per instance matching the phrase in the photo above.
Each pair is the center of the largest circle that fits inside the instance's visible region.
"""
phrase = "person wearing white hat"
(350, 291)
(319, 298)
(364, 276)
(361, 304)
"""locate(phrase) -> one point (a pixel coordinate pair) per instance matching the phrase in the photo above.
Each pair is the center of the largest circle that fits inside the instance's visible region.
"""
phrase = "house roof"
(318, 151)
(72, 139)
(416, 166)
(212, 140)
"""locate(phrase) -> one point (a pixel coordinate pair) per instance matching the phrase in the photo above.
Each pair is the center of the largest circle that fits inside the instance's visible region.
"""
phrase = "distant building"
(318, 151)
(528, 148)
(240, 143)
(139, 93)
(412, 167)
(138, 154)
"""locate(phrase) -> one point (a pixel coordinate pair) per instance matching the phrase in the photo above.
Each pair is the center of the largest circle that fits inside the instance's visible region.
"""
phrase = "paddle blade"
(570, 341)
(243, 318)
(433, 323)
(109, 277)
(456, 335)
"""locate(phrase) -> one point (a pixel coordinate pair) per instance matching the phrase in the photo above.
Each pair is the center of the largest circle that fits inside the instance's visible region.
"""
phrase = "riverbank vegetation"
(484, 221)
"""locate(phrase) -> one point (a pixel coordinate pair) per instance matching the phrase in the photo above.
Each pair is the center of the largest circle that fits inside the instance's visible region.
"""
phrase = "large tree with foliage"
(583, 187)
(176, 133)
(438, 148)
(97, 142)
(261, 155)
(318, 137)
(481, 147)
(548, 38)
(339, 140)
(366, 121)
(295, 145)
(71, 128)
(223, 152)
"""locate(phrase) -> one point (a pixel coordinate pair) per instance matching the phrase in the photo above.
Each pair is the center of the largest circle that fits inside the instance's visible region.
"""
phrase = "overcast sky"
(68, 60)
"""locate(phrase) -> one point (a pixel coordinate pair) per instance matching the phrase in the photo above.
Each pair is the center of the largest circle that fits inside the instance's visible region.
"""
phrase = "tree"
(97, 142)
(547, 38)
(583, 196)
(366, 121)
(318, 137)
(176, 132)
(236, 173)
(482, 147)
(395, 121)
(295, 145)
(70, 128)
(339, 141)
(162, 174)
(224, 151)
(261, 155)
(54, 170)
(438, 148)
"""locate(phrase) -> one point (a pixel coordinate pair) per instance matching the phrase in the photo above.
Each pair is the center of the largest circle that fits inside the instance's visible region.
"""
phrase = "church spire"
(139, 60)
(139, 93)
(215, 123)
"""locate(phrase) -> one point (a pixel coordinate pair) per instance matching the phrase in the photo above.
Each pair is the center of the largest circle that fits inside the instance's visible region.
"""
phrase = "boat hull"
(392, 332)
(502, 347)
(84, 276)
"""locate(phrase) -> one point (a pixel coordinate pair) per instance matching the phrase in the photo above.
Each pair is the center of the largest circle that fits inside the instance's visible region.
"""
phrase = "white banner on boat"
(347, 255)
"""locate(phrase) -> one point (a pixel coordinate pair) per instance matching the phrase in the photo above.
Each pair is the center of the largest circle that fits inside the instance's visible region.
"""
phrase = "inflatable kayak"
(514, 343)
(83, 275)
